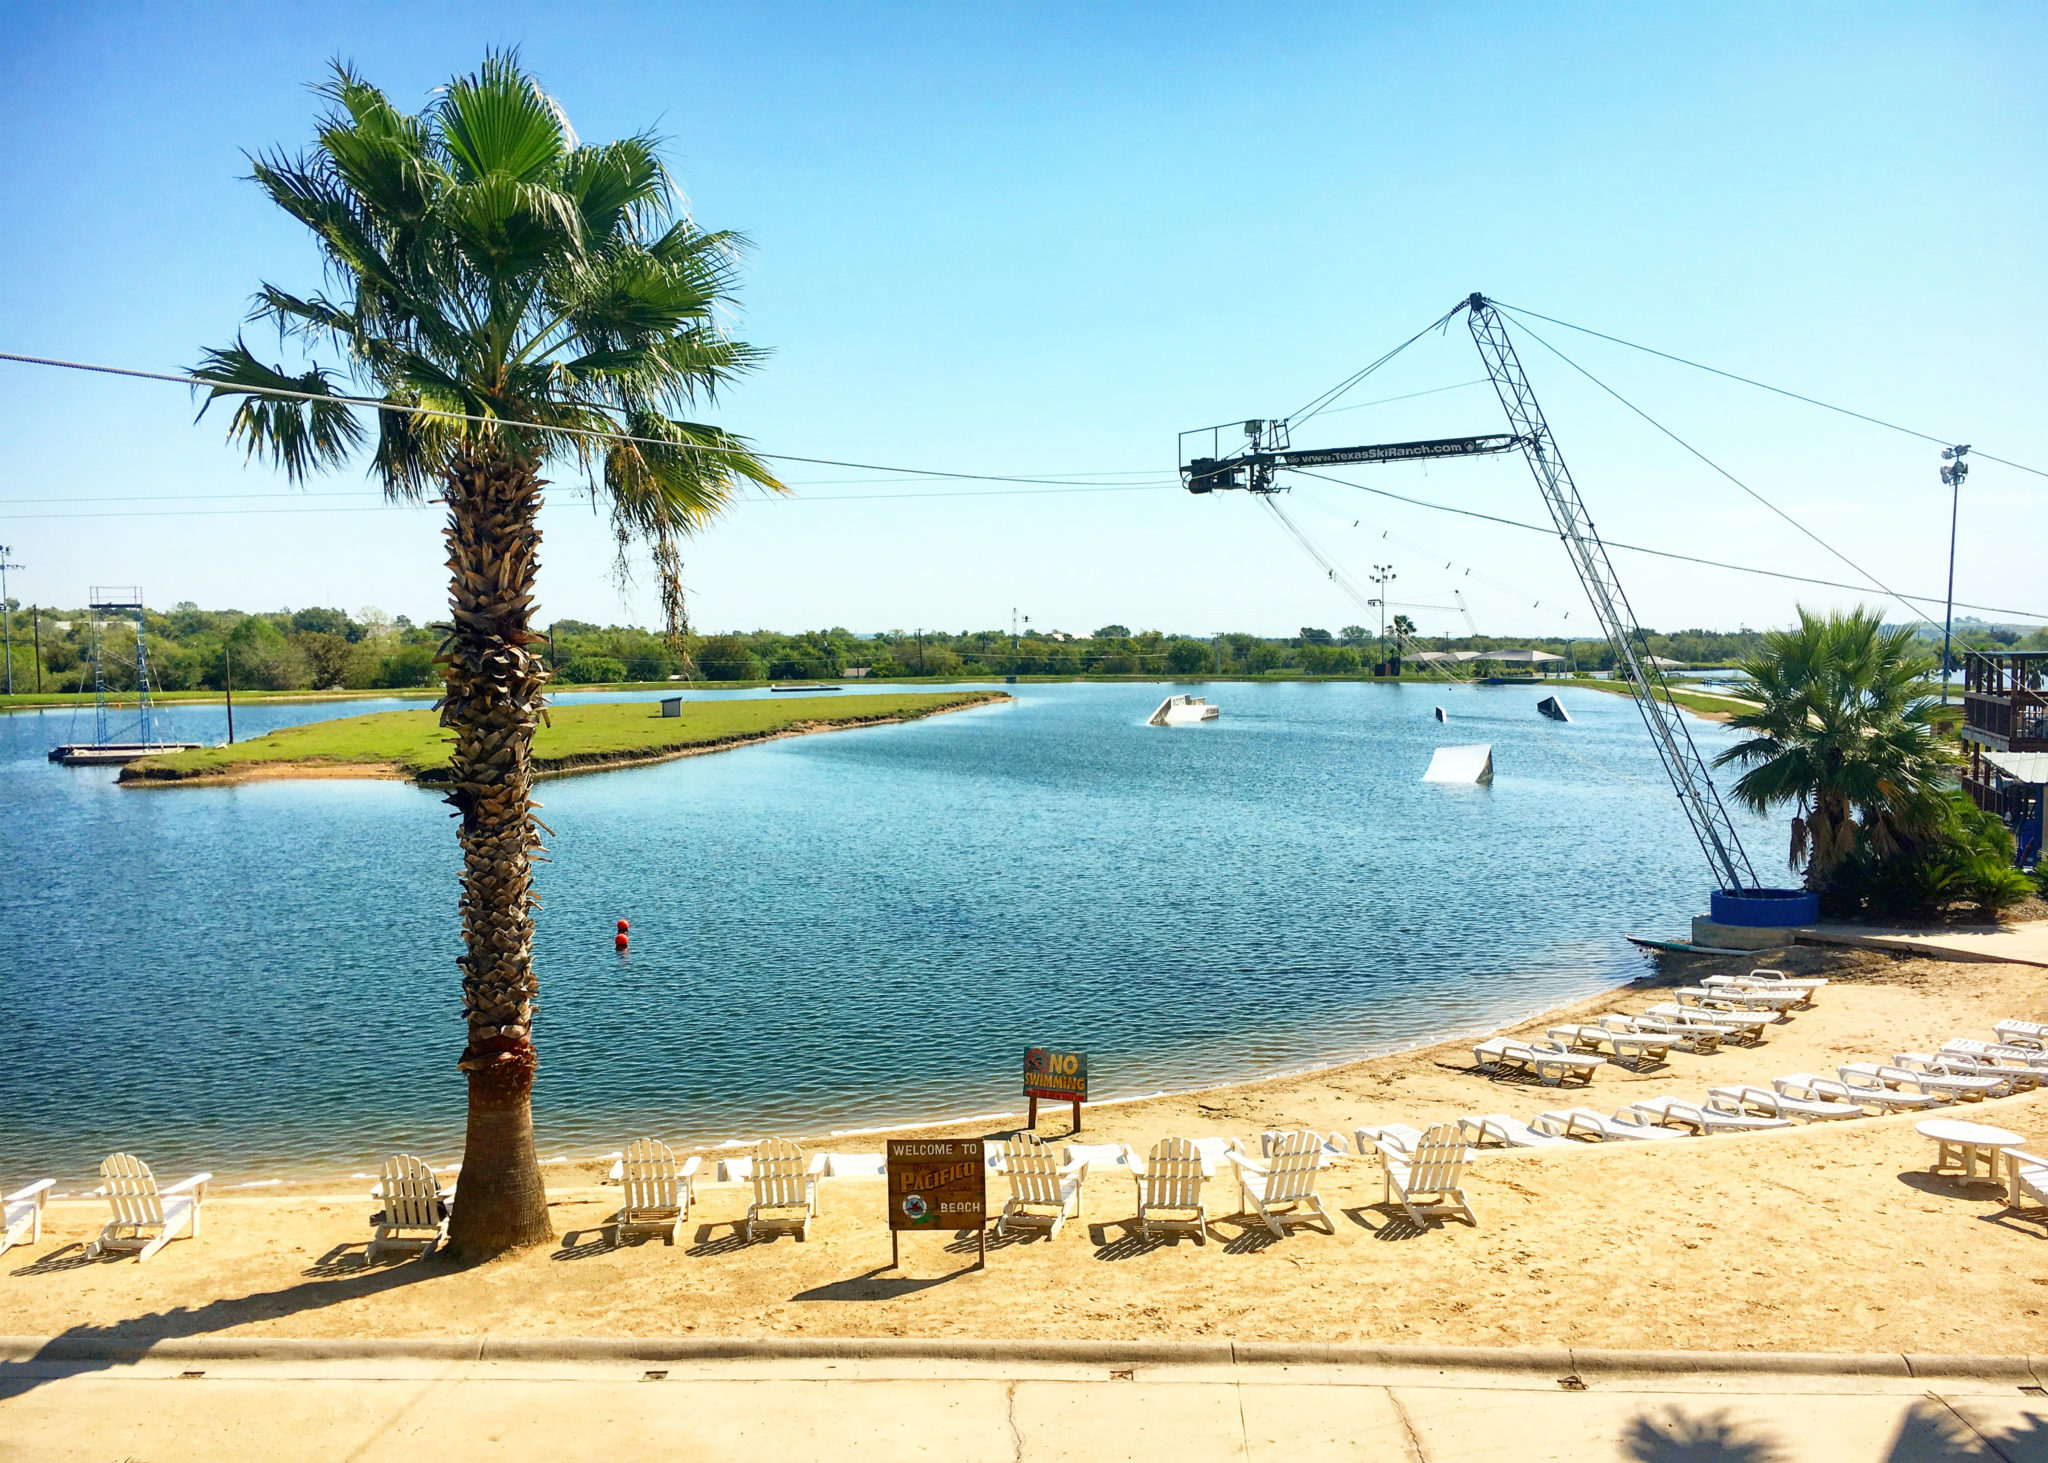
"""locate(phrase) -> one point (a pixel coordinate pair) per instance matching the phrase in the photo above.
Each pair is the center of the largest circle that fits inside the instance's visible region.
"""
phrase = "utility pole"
(35, 622)
(1219, 652)
(228, 681)
(1953, 475)
(7, 614)
(1381, 576)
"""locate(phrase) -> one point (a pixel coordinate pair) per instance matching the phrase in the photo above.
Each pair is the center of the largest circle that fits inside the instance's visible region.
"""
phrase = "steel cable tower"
(1682, 761)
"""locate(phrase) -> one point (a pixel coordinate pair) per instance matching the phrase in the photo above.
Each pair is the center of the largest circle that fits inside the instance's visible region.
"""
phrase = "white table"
(1964, 1145)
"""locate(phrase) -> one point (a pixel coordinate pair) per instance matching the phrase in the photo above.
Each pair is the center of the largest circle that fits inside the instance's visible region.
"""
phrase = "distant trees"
(1186, 657)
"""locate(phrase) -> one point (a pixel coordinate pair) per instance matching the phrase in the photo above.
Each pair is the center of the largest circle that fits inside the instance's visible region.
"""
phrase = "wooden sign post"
(1056, 1076)
(937, 1184)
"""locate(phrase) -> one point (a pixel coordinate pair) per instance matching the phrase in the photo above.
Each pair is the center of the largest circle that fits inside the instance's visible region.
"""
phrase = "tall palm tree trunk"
(493, 702)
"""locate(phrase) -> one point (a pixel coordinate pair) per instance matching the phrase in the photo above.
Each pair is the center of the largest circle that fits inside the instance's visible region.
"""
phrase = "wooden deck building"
(2005, 725)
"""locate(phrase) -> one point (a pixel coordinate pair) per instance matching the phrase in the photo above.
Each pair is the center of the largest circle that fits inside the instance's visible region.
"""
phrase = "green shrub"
(1966, 859)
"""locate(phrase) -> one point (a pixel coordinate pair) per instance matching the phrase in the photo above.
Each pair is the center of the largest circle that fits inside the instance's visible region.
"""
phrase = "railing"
(2005, 697)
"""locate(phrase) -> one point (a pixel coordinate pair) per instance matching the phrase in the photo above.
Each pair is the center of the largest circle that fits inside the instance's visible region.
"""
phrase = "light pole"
(7, 615)
(1381, 576)
(1953, 475)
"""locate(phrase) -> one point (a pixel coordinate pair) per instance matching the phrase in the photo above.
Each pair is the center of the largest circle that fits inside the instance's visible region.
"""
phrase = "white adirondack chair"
(1429, 1181)
(1282, 1185)
(1044, 1193)
(416, 1208)
(21, 1215)
(785, 1188)
(1170, 1188)
(146, 1218)
(658, 1191)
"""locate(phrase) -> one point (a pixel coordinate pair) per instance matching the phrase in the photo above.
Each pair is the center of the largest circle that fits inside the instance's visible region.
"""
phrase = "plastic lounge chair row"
(1996, 1052)
(1696, 1037)
(1773, 1102)
(1584, 1123)
(2026, 1182)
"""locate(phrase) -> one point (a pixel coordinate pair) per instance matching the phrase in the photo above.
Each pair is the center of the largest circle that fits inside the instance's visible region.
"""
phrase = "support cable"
(1874, 580)
(1766, 386)
(1319, 403)
(1550, 532)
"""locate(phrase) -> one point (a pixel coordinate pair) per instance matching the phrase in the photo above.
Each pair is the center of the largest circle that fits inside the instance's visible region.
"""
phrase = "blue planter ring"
(1766, 908)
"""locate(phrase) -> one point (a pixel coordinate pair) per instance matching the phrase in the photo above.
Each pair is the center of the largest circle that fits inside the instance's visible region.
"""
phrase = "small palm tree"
(511, 300)
(1844, 734)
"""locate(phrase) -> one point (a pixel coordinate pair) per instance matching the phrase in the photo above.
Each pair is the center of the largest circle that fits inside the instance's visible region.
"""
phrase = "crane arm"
(1253, 468)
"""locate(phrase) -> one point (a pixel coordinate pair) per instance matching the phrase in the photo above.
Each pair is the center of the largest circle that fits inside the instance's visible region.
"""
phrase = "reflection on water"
(833, 931)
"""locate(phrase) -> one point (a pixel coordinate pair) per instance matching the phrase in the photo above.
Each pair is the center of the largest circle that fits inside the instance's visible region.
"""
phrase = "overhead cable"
(1780, 512)
(1548, 530)
(377, 404)
(1766, 386)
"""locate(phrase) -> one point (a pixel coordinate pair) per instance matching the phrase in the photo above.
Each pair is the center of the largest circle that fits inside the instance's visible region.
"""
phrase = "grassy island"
(412, 745)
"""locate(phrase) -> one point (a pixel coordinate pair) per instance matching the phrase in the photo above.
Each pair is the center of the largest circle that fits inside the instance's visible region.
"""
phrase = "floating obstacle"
(1442, 715)
(1553, 708)
(1468, 765)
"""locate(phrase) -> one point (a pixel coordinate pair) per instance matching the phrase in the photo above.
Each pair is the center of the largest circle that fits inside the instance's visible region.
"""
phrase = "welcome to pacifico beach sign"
(937, 1184)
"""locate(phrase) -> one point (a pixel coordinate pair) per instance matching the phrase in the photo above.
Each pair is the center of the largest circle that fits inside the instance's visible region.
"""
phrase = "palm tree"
(1843, 734)
(507, 299)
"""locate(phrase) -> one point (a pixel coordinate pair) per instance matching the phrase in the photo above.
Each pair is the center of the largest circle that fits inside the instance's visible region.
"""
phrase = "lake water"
(829, 932)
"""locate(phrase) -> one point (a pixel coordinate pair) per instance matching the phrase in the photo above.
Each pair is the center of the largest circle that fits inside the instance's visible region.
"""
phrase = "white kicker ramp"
(1467, 765)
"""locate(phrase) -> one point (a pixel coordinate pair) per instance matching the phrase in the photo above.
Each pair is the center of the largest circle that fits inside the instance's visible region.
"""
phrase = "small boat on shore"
(1553, 708)
(1183, 711)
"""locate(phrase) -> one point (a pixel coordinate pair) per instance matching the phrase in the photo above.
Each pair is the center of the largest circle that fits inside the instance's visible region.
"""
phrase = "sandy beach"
(1828, 1238)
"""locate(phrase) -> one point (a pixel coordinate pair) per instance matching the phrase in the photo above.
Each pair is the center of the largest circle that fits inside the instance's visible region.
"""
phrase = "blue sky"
(1045, 239)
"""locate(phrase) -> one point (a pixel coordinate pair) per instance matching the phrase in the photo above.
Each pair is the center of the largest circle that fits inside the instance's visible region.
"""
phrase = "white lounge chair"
(1731, 1025)
(785, 1188)
(1892, 1088)
(1975, 1082)
(1044, 1194)
(857, 1165)
(1676, 1112)
(659, 1191)
(1550, 1065)
(1772, 1103)
(1498, 1128)
(1281, 1186)
(21, 1215)
(1216, 1152)
(2022, 1033)
(1740, 998)
(146, 1218)
(1961, 1064)
(1583, 1122)
(1169, 1182)
(1378, 1138)
(1329, 1146)
(1093, 1153)
(2026, 1182)
(1429, 1183)
(415, 1213)
(1634, 1047)
(1995, 1051)
(1698, 1038)
(1770, 980)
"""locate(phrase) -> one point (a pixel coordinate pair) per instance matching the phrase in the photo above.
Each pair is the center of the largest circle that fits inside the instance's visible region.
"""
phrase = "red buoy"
(619, 940)
(623, 927)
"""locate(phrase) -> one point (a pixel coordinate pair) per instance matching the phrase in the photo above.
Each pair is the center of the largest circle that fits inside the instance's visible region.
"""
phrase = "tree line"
(323, 648)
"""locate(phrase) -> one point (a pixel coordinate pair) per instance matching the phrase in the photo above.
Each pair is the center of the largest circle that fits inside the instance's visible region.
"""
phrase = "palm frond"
(298, 435)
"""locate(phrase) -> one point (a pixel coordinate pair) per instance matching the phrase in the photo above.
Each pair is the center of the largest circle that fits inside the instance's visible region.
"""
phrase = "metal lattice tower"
(119, 600)
(1682, 761)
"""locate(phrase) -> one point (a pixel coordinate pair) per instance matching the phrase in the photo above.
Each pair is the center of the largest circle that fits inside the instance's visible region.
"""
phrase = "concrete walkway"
(2017, 944)
(189, 1407)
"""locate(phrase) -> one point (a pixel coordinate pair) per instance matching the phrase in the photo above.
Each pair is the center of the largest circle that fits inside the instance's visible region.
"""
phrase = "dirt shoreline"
(574, 765)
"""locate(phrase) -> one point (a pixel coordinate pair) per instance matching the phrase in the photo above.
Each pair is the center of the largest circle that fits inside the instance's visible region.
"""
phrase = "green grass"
(413, 744)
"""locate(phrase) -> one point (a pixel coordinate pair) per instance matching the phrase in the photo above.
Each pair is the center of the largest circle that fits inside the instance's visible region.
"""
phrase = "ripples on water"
(833, 931)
